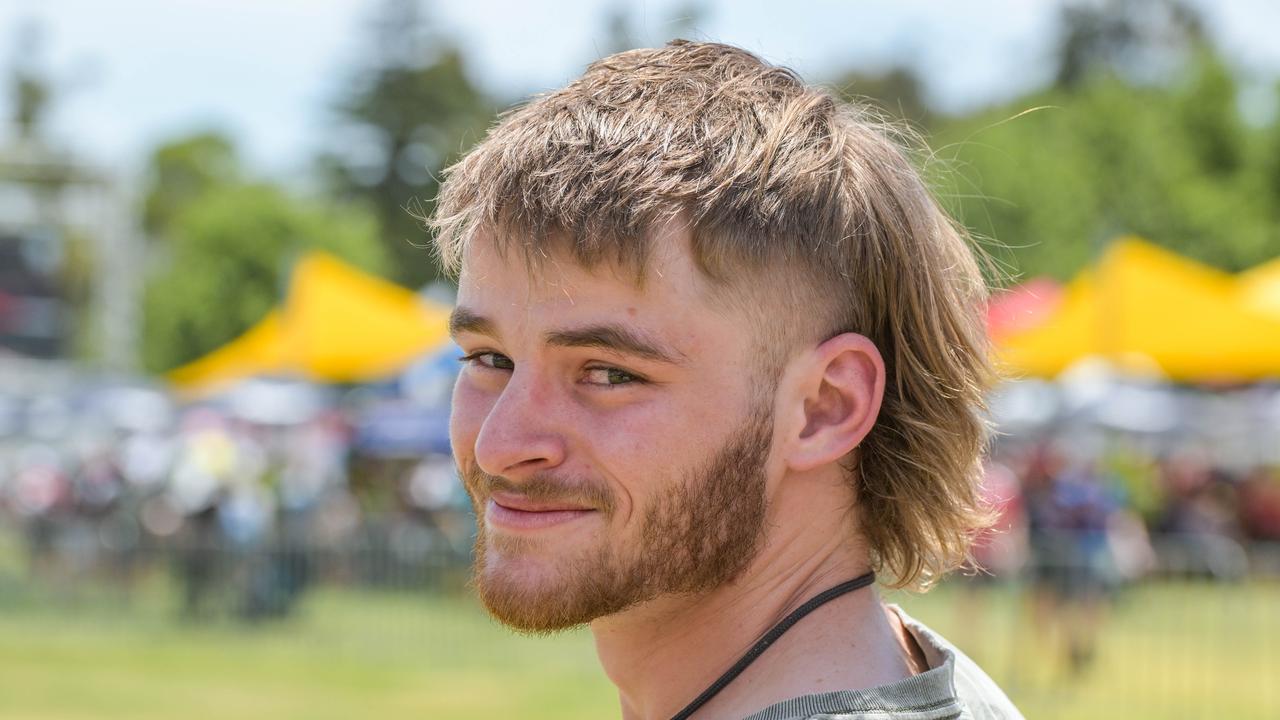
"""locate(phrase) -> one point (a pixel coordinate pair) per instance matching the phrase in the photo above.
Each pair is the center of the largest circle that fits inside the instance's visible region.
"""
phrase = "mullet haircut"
(783, 187)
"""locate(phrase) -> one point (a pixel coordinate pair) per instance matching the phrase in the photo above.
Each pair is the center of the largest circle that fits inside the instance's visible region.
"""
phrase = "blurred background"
(225, 480)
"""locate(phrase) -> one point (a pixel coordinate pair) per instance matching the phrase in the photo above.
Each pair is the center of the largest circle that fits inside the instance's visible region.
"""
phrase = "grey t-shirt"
(953, 687)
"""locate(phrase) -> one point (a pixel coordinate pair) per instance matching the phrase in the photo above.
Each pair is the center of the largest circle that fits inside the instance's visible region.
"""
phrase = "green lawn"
(1172, 651)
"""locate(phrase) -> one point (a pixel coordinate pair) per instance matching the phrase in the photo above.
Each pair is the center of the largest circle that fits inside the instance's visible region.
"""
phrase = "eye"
(489, 360)
(610, 377)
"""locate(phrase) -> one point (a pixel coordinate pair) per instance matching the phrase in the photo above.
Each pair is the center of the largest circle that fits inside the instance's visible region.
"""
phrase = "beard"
(695, 536)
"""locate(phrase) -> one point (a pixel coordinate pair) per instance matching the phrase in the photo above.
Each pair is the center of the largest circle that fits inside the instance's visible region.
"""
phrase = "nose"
(519, 436)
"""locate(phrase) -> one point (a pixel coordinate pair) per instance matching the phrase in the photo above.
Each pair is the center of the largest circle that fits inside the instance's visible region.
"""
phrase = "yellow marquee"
(1147, 309)
(337, 324)
(1260, 288)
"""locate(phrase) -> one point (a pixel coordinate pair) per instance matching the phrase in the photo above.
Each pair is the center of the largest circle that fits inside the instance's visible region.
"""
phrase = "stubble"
(695, 537)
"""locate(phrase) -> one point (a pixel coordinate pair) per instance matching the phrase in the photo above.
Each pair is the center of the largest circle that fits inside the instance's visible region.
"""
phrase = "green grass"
(347, 655)
(1169, 651)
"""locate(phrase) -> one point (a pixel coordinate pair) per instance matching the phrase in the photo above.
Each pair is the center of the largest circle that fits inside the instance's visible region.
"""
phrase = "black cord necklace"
(770, 638)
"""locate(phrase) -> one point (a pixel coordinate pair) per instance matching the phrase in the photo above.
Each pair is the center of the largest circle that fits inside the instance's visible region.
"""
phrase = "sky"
(131, 73)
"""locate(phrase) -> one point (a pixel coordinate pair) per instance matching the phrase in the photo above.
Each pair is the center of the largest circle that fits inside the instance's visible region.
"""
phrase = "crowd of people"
(248, 508)
(1125, 513)
(1076, 525)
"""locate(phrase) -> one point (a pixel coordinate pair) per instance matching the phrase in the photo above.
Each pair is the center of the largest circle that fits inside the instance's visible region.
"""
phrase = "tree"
(228, 246)
(1168, 162)
(29, 84)
(897, 91)
(403, 118)
(1131, 38)
(183, 170)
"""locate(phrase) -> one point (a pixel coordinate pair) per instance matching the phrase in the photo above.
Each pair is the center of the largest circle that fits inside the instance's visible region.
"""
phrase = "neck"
(664, 653)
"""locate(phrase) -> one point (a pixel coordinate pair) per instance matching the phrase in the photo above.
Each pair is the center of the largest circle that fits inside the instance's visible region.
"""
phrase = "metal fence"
(1197, 635)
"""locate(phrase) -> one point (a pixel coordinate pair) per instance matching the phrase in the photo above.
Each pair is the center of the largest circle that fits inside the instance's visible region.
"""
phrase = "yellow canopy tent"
(1143, 309)
(261, 350)
(1260, 288)
(338, 324)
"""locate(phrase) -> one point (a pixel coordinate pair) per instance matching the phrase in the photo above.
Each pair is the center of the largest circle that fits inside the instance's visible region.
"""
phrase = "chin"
(525, 595)
(539, 595)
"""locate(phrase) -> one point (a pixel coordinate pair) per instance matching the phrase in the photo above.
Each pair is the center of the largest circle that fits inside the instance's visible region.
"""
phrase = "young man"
(724, 361)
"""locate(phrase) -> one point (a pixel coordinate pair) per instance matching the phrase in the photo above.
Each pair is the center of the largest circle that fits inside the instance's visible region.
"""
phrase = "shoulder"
(953, 687)
(980, 696)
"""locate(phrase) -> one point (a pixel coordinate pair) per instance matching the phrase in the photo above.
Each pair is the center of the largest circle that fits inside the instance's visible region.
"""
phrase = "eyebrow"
(613, 337)
(462, 320)
(617, 338)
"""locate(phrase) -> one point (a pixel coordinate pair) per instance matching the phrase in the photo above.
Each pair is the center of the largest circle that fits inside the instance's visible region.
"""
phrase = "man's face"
(613, 439)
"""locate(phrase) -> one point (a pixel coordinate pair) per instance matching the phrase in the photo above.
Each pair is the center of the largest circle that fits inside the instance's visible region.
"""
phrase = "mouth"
(511, 512)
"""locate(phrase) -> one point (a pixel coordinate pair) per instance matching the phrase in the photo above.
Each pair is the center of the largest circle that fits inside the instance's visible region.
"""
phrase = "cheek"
(670, 427)
(646, 448)
(469, 408)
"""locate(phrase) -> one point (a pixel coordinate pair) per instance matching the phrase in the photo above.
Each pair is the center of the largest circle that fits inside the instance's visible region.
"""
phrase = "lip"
(515, 513)
(523, 504)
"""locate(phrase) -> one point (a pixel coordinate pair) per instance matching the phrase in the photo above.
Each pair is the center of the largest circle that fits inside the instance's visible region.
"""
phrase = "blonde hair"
(783, 187)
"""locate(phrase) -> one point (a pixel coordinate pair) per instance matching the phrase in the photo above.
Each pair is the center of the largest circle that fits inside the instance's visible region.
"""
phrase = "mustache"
(542, 487)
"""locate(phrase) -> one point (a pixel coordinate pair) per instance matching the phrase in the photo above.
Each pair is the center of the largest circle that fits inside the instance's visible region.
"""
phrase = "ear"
(841, 385)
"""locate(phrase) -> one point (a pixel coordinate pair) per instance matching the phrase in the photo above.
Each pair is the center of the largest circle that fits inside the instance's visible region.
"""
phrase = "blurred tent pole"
(1148, 311)
(337, 324)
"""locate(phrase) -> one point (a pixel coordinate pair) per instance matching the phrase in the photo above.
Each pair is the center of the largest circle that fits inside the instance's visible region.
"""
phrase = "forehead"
(556, 288)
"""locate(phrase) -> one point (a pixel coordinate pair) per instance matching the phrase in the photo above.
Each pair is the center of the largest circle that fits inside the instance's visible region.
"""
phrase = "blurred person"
(1084, 509)
(205, 464)
(1260, 504)
(724, 363)
(146, 459)
(1070, 516)
(1045, 566)
(98, 493)
(40, 495)
(307, 462)
(199, 562)
(315, 461)
(999, 551)
(1200, 525)
(98, 482)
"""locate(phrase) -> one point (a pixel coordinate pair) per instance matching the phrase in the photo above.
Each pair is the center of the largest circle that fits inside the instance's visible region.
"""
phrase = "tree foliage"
(898, 91)
(403, 118)
(1138, 39)
(181, 171)
(228, 246)
(1053, 177)
(1141, 133)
